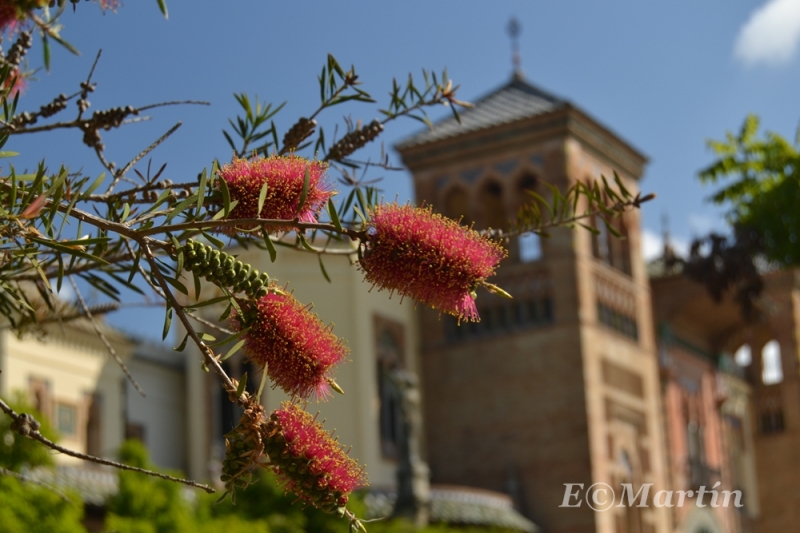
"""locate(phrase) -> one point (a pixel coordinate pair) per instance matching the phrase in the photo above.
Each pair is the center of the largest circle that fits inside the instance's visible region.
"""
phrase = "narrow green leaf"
(197, 286)
(226, 197)
(95, 184)
(182, 205)
(135, 266)
(304, 242)
(167, 322)
(334, 216)
(162, 5)
(270, 247)
(236, 348)
(65, 249)
(322, 267)
(182, 345)
(213, 240)
(262, 195)
(304, 194)
(622, 188)
(177, 284)
(360, 214)
(238, 335)
(46, 52)
(212, 301)
(201, 189)
(8, 154)
(242, 385)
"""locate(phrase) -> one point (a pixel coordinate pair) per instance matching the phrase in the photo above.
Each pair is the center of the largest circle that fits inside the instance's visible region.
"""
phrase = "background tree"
(761, 177)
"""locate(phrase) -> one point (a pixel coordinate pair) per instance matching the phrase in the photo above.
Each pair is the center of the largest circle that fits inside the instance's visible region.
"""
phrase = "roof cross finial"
(514, 28)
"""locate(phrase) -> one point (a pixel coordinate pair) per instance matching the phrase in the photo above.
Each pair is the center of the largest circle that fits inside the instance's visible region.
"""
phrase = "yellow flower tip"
(335, 386)
(494, 289)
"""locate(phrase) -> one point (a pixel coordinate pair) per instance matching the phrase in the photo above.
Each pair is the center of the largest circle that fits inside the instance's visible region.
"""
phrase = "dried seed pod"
(354, 140)
(302, 130)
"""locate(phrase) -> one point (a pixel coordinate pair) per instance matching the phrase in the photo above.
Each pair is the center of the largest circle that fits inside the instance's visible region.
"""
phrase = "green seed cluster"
(223, 269)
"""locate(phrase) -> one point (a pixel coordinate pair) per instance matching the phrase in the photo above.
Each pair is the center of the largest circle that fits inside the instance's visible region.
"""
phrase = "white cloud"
(771, 34)
(653, 245)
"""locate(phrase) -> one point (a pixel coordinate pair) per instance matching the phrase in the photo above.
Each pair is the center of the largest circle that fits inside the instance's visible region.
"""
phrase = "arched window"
(743, 356)
(610, 244)
(771, 367)
(529, 245)
(456, 205)
(494, 210)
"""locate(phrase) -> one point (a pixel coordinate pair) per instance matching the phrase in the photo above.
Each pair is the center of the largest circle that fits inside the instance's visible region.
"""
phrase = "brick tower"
(559, 385)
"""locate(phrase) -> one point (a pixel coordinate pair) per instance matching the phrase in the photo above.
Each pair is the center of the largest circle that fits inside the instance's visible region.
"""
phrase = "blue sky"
(665, 76)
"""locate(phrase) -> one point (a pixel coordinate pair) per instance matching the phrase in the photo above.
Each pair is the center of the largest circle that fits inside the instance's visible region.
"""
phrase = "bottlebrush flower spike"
(308, 460)
(292, 344)
(284, 178)
(418, 253)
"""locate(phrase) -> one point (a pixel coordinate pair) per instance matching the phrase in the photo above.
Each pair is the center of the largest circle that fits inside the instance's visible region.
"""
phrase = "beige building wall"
(60, 373)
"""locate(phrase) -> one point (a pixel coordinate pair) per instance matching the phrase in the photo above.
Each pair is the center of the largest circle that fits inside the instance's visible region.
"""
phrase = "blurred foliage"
(27, 508)
(764, 194)
(16, 451)
(146, 504)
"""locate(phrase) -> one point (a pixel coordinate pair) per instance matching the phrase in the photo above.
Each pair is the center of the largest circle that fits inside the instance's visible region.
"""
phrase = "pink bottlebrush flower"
(418, 253)
(109, 4)
(15, 83)
(292, 344)
(8, 14)
(284, 177)
(308, 460)
(14, 11)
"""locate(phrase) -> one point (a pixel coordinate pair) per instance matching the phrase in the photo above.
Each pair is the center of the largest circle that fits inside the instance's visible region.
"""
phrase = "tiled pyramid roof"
(517, 99)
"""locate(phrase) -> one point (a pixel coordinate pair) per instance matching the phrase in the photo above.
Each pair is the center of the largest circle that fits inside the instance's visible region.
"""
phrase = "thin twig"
(149, 149)
(174, 102)
(200, 224)
(102, 336)
(25, 425)
(26, 479)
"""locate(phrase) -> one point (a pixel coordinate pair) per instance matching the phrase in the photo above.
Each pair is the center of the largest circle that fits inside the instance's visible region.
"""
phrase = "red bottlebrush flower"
(431, 258)
(292, 344)
(284, 177)
(308, 460)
